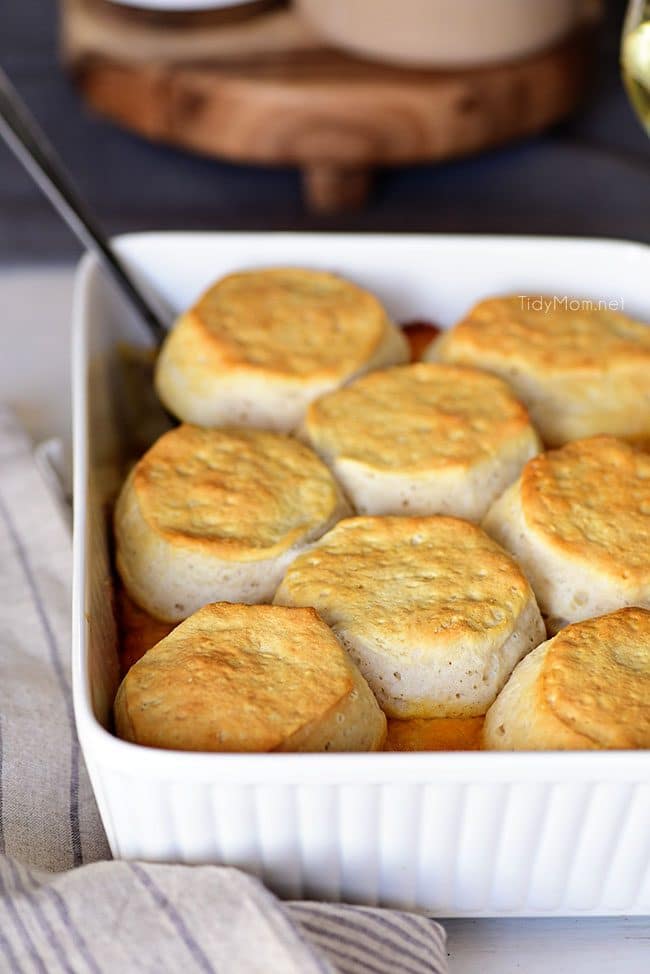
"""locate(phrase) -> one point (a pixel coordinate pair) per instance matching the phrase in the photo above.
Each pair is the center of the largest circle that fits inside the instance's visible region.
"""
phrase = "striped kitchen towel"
(63, 906)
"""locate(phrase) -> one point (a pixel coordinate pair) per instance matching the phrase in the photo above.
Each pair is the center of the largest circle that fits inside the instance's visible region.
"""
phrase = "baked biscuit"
(249, 678)
(423, 439)
(218, 514)
(435, 614)
(258, 346)
(578, 523)
(588, 687)
(579, 372)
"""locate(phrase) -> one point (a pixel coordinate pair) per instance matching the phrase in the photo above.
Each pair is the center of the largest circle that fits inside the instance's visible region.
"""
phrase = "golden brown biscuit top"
(246, 494)
(551, 339)
(417, 418)
(235, 678)
(591, 500)
(405, 582)
(291, 322)
(596, 678)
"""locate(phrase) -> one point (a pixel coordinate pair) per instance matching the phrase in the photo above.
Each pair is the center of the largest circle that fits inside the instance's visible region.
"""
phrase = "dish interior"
(433, 278)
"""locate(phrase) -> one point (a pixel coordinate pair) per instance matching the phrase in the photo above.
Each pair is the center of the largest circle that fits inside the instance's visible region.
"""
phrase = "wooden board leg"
(330, 188)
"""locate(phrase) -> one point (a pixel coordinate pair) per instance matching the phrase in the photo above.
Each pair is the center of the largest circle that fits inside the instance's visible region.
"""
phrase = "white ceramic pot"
(442, 32)
(180, 6)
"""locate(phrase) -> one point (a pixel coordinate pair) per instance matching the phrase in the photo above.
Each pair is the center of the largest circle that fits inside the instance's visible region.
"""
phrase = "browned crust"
(590, 501)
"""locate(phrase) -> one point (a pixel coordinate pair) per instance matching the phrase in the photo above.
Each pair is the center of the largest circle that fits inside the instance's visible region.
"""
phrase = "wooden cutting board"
(265, 90)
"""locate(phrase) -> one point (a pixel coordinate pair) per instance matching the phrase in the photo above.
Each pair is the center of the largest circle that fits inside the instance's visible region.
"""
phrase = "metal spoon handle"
(28, 142)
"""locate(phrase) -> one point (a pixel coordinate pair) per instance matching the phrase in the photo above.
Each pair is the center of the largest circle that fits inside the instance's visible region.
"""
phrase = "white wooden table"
(35, 305)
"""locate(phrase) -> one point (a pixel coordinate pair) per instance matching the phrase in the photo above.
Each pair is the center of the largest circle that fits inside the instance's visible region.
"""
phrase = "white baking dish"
(455, 834)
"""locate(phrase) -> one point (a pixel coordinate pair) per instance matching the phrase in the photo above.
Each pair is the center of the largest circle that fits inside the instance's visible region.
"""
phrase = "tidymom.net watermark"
(562, 302)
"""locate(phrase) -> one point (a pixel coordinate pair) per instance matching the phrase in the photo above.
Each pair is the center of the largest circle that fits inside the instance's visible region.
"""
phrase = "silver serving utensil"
(29, 143)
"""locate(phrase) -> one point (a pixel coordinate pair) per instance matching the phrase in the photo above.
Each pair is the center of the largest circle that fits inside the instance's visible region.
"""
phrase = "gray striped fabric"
(114, 916)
